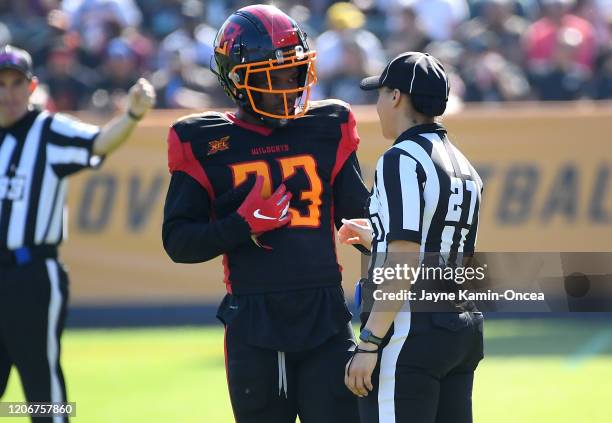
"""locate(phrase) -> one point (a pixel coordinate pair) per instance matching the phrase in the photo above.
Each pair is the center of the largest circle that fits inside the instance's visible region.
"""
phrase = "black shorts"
(268, 386)
(33, 302)
(426, 369)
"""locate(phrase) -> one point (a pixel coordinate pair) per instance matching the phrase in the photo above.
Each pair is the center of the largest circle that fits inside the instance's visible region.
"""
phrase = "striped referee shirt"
(37, 153)
(425, 191)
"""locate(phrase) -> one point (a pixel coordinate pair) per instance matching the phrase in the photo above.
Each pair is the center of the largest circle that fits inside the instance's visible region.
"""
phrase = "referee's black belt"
(24, 255)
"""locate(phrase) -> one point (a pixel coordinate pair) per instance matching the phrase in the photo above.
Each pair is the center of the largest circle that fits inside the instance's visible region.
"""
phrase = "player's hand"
(358, 371)
(264, 215)
(228, 202)
(141, 98)
(356, 231)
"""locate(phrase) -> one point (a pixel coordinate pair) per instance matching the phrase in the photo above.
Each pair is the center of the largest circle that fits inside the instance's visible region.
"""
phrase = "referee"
(416, 367)
(38, 151)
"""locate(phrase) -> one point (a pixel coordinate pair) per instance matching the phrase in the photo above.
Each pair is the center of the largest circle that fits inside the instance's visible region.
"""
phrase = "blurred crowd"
(87, 53)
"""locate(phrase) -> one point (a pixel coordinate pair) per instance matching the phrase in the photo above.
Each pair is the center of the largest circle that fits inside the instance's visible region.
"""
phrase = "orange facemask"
(290, 59)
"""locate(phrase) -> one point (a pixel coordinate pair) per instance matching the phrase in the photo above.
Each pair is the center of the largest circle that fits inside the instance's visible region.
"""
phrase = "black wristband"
(133, 116)
(366, 335)
(360, 350)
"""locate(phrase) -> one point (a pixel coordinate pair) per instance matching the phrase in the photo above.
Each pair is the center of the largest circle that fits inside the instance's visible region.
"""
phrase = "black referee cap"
(16, 58)
(418, 74)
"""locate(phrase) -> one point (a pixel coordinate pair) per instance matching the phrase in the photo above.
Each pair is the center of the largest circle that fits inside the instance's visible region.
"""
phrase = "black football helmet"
(260, 39)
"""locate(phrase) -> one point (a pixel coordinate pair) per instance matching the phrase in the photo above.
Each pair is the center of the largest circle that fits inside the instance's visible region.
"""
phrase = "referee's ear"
(396, 97)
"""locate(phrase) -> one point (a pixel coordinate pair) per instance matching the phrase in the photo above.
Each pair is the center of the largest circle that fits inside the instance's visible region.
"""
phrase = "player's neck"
(248, 118)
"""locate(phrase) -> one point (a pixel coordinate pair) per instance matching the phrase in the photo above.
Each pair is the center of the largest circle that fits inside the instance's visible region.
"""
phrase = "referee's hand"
(358, 370)
(141, 98)
(356, 231)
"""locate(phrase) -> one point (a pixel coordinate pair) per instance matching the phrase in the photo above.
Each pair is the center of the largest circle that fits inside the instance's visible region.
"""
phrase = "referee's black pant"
(268, 386)
(33, 300)
(425, 371)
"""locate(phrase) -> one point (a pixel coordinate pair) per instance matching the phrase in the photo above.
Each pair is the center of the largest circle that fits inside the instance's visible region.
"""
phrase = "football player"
(264, 187)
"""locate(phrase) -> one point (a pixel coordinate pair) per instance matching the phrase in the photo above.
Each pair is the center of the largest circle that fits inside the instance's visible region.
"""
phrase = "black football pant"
(268, 386)
(425, 372)
(33, 299)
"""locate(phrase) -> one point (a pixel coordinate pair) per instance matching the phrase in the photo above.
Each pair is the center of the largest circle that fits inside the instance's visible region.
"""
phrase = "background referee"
(38, 150)
(416, 367)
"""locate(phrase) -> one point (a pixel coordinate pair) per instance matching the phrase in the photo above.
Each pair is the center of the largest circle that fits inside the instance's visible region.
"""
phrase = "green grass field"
(534, 371)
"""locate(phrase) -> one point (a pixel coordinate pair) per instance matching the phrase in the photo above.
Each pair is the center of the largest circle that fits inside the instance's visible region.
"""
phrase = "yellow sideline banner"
(547, 172)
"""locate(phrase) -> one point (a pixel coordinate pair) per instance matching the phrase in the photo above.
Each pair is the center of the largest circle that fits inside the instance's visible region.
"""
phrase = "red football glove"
(264, 215)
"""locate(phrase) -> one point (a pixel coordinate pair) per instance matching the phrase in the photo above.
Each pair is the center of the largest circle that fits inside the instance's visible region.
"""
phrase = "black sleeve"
(188, 233)
(350, 195)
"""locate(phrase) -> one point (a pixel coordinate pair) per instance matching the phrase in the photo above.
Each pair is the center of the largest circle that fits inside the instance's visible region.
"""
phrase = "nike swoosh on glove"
(265, 214)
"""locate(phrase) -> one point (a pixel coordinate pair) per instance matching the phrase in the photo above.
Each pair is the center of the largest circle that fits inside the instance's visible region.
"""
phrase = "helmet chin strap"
(272, 122)
(265, 120)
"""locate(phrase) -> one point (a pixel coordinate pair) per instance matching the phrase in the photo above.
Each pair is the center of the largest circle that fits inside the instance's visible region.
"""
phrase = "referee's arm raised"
(141, 99)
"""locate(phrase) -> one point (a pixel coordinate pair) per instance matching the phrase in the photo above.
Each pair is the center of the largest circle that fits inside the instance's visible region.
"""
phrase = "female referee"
(410, 366)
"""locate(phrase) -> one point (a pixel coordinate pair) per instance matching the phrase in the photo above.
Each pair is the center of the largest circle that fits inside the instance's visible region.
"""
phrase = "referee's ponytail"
(428, 105)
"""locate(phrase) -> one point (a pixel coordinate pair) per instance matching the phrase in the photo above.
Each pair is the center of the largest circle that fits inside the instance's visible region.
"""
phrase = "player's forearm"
(351, 197)
(350, 193)
(113, 134)
(195, 242)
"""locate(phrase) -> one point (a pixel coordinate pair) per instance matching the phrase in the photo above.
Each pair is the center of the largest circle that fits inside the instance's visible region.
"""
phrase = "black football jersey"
(214, 158)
